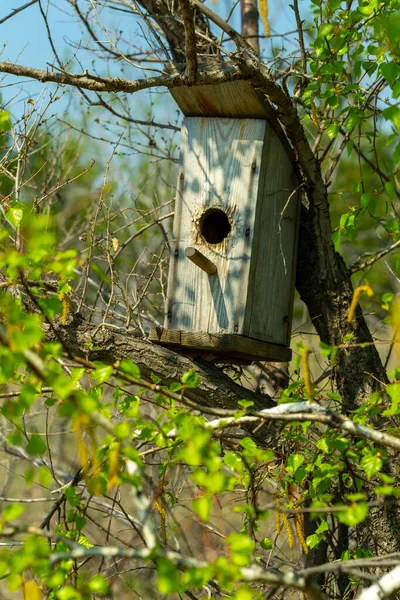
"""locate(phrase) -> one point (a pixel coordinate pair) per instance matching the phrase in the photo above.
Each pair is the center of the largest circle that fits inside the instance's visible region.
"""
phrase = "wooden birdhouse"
(232, 269)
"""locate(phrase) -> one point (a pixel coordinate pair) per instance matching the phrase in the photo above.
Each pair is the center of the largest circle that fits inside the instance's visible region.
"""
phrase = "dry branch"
(190, 35)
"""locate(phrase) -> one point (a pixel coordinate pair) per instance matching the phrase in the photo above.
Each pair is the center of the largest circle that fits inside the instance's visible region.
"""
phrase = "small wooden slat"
(200, 260)
(226, 346)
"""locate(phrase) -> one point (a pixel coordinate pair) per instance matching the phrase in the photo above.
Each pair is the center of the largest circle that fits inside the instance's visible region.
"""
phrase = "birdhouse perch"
(231, 276)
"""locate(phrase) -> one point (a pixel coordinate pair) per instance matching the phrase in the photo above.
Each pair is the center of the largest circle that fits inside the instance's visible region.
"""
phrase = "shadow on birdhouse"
(232, 269)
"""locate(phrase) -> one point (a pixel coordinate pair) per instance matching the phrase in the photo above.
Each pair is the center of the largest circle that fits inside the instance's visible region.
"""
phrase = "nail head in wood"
(200, 260)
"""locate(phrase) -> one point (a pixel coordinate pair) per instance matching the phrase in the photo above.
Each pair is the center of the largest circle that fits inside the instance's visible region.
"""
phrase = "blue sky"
(26, 43)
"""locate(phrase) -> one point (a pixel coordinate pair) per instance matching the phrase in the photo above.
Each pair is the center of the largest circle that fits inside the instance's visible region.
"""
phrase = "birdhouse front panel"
(214, 224)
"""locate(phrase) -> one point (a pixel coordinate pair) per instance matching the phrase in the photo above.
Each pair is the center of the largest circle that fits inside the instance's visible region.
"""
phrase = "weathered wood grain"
(273, 256)
(219, 168)
(230, 346)
(234, 99)
(237, 211)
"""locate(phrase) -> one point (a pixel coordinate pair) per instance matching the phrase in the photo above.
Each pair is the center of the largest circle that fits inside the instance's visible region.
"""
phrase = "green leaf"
(266, 544)
(68, 592)
(130, 368)
(202, 507)
(11, 512)
(386, 299)
(325, 30)
(36, 445)
(294, 462)
(390, 189)
(5, 120)
(336, 236)
(98, 585)
(313, 540)
(332, 130)
(175, 387)
(325, 349)
(396, 154)
(366, 199)
(322, 527)
(240, 543)
(384, 490)
(371, 463)
(248, 444)
(392, 114)
(102, 372)
(191, 380)
(233, 461)
(354, 515)
(243, 593)
(246, 403)
(322, 444)
(15, 213)
(393, 389)
(122, 430)
(167, 576)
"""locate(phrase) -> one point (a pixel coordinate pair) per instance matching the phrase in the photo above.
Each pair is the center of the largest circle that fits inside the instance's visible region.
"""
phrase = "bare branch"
(361, 264)
(299, 24)
(223, 25)
(386, 587)
(86, 80)
(17, 10)
(190, 35)
(311, 411)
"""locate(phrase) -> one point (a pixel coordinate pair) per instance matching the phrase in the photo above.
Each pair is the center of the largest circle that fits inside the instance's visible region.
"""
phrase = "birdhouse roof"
(231, 99)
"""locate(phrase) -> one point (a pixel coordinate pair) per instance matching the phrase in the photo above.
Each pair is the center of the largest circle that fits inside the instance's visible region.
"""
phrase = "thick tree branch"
(310, 411)
(249, 14)
(215, 390)
(386, 587)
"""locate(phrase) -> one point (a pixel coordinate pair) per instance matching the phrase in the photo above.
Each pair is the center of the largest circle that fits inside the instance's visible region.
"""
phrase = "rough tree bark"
(216, 388)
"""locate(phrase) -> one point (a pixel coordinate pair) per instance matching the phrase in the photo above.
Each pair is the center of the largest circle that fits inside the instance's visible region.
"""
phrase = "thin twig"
(359, 265)
(17, 10)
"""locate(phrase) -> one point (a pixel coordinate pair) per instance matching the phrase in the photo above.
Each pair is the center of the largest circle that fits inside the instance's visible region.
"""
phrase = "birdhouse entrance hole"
(214, 226)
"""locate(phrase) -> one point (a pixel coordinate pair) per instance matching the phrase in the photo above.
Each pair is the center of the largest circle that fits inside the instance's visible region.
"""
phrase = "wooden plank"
(226, 346)
(219, 169)
(273, 263)
(233, 99)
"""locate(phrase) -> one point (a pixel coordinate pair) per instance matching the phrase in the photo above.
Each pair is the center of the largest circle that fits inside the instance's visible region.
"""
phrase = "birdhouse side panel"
(271, 283)
(216, 202)
(177, 226)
